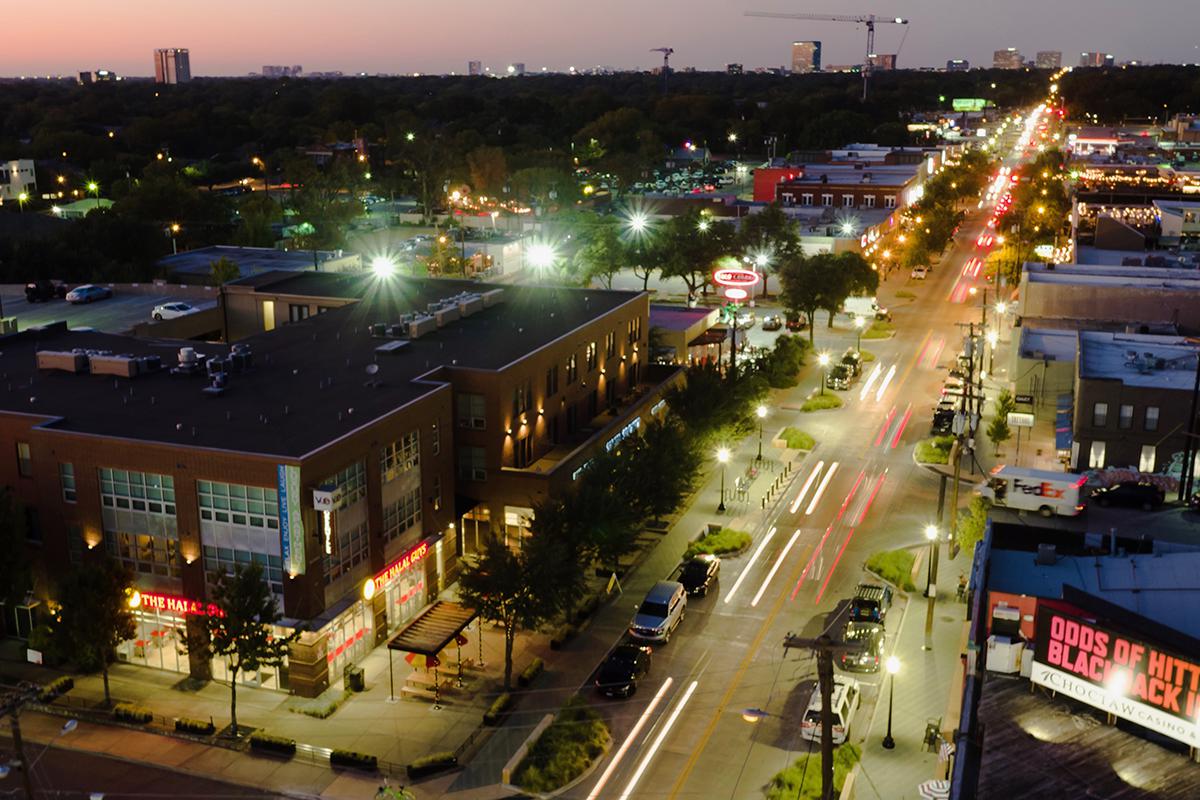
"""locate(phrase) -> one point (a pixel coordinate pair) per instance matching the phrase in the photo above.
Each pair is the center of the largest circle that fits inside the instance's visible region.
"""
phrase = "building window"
(402, 514)
(24, 460)
(1148, 458)
(847, 201)
(1096, 456)
(437, 493)
(297, 312)
(551, 382)
(234, 504)
(144, 554)
(806, 199)
(1125, 420)
(572, 420)
(634, 328)
(827, 200)
(523, 452)
(472, 464)
(869, 201)
(889, 201)
(610, 345)
(572, 369)
(66, 476)
(470, 411)
(350, 551)
(352, 481)
(1099, 415)
(590, 356)
(223, 561)
(137, 491)
(1151, 418)
(435, 439)
(522, 398)
(400, 456)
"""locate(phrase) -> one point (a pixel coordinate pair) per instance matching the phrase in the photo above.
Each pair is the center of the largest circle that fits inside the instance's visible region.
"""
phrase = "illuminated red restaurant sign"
(172, 604)
(1116, 673)
(402, 563)
(736, 282)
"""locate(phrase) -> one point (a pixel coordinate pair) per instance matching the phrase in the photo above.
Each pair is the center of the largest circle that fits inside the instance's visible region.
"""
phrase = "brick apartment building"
(355, 438)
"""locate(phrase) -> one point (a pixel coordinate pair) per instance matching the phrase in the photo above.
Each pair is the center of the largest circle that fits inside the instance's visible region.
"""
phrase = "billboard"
(968, 104)
(1117, 673)
(291, 521)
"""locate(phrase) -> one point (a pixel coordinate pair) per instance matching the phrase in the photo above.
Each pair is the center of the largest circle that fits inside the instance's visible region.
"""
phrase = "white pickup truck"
(865, 307)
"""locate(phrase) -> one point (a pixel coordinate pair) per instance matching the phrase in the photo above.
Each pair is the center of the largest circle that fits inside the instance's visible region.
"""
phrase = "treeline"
(1115, 94)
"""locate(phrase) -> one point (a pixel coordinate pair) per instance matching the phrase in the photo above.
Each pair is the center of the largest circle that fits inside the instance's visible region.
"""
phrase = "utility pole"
(966, 432)
(11, 704)
(825, 649)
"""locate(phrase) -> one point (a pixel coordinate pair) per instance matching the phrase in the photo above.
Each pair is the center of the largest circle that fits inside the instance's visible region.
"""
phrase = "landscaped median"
(796, 439)
(894, 566)
(879, 330)
(934, 450)
(719, 543)
(802, 780)
(820, 402)
(566, 749)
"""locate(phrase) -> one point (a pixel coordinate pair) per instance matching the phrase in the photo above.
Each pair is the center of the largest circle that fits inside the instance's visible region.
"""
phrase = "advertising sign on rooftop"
(968, 104)
(1130, 678)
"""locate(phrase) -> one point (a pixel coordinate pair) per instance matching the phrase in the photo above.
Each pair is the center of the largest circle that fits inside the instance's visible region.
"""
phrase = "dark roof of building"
(309, 385)
(676, 318)
(250, 260)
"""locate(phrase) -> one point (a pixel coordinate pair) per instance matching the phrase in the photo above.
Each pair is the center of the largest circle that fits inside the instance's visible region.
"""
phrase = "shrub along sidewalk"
(797, 439)
(894, 566)
(565, 750)
(934, 450)
(719, 543)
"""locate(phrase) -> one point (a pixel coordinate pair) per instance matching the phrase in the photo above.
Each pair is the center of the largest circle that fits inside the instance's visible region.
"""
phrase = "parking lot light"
(823, 360)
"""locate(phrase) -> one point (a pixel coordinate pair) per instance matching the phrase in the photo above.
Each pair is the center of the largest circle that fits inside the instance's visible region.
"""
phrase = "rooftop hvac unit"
(397, 330)
(1047, 555)
(61, 360)
(421, 326)
(124, 366)
(378, 330)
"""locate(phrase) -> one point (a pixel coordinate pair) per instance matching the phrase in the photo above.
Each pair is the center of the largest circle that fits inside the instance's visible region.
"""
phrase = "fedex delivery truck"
(1045, 492)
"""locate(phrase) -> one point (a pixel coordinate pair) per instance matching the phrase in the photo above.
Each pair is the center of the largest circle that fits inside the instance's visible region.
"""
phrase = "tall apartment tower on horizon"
(1048, 59)
(474, 67)
(172, 65)
(1095, 59)
(1008, 58)
(806, 57)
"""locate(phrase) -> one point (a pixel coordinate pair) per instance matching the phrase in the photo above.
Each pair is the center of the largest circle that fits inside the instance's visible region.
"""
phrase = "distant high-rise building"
(516, 68)
(1097, 59)
(172, 65)
(1048, 59)
(1008, 58)
(806, 56)
(958, 65)
(734, 69)
(882, 61)
(98, 76)
(474, 67)
(279, 71)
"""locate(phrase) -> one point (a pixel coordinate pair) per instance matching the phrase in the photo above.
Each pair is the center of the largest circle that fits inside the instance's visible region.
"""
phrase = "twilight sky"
(234, 37)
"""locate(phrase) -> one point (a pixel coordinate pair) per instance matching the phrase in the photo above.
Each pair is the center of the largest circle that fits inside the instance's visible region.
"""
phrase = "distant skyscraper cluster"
(1048, 59)
(806, 57)
(172, 65)
(279, 71)
(1096, 59)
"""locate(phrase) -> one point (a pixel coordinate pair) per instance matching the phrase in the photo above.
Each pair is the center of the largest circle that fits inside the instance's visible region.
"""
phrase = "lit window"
(1096, 455)
(1099, 415)
(1148, 458)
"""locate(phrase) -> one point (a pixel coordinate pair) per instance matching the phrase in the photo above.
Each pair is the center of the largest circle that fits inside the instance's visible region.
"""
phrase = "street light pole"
(893, 666)
(823, 360)
(722, 457)
(762, 415)
(859, 323)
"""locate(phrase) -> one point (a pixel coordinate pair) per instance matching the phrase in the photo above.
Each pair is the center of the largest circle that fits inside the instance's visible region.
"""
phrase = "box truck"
(866, 307)
(1043, 491)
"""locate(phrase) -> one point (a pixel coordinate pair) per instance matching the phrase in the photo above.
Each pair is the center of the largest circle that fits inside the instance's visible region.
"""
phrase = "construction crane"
(666, 67)
(870, 20)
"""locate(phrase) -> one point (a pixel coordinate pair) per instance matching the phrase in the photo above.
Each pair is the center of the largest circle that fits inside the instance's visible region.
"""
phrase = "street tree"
(999, 432)
(522, 590)
(604, 252)
(94, 615)
(242, 633)
(806, 281)
(689, 246)
(488, 170)
(662, 466)
(223, 270)
(257, 214)
(769, 239)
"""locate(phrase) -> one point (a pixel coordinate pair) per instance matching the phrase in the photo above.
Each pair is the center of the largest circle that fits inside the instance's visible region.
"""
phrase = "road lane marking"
(774, 568)
(891, 373)
(658, 740)
(807, 484)
(762, 546)
(901, 427)
(833, 566)
(821, 489)
(637, 728)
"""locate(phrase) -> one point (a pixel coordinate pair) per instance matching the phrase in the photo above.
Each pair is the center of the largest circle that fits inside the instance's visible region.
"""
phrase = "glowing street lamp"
(823, 360)
(542, 255)
(383, 266)
(723, 458)
(893, 666)
(22, 199)
(761, 413)
(703, 225)
(638, 222)
(94, 188)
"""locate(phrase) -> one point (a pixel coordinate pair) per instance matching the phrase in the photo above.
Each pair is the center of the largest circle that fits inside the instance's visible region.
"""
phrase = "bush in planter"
(349, 758)
(430, 764)
(274, 744)
(57, 688)
(562, 635)
(497, 710)
(530, 673)
(588, 607)
(128, 712)
(202, 727)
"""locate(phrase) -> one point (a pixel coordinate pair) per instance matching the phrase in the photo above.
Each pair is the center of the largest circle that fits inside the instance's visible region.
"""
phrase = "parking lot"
(117, 314)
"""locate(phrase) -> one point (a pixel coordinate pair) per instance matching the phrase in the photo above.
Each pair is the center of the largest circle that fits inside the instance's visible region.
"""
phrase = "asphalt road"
(117, 314)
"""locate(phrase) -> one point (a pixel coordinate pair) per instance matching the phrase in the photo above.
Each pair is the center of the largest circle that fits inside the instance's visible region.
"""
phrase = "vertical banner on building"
(291, 520)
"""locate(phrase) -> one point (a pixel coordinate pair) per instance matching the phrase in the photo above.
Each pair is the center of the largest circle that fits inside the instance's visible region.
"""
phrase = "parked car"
(171, 311)
(1131, 494)
(871, 603)
(853, 360)
(746, 319)
(42, 290)
(772, 322)
(660, 613)
(88, 293)
(698, 573)
(794, 323)
(920, 272)
(943, 422)
(628, 663)
(869, 636)
(844, 698)
(839, 377)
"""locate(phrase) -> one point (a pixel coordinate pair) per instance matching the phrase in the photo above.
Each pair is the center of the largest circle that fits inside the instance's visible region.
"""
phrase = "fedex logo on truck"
(1043, 489)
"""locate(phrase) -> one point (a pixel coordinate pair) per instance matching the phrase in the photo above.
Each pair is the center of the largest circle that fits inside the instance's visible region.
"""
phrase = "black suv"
(1132, 494)
(871, 603)
(42, 290)
(853, 360)
(839, 377)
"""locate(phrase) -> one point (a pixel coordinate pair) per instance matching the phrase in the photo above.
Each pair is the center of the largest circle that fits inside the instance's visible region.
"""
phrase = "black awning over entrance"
(433, 629)
(710, 336)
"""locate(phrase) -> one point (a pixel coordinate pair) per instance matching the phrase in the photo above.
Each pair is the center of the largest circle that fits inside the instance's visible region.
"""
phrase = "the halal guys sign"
(1130, 678)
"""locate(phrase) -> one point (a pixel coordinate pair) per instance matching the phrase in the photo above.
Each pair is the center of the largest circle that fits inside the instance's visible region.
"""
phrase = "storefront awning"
(710, 336)
(433, 629)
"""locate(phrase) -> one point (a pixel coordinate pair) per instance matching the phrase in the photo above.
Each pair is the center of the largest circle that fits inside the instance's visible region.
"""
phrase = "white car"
(171, 311)
(919, 273)
(87, 293)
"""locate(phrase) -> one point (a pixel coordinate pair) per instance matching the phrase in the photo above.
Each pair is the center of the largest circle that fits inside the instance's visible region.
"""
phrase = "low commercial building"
(1178, 223)
(1082, 668)
(17, 177)
(682, 335)
(354, 448)
(1132, 295)
(196, 265)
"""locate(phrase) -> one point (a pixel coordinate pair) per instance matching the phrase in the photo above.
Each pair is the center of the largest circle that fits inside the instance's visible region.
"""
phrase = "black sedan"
(868, 637)
(1132, 494)
(772, 322)
(698, 573)
(625, 666)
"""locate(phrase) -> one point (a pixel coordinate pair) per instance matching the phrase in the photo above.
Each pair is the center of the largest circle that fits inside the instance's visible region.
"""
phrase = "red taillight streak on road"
(832, 567)
(821, 489)
(903, 423)
(807, 485)
(849, 497)
(871, 499)
(921, 356)
(812, 560)
(887, 423)
(937, 353)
